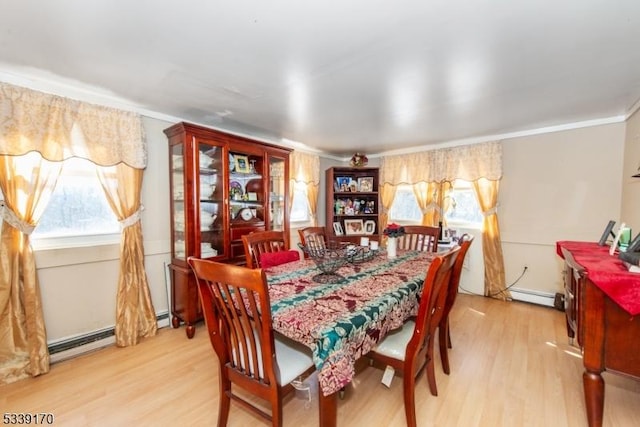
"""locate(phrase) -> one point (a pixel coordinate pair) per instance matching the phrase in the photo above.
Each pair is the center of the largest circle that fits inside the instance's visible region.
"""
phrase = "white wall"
(631, 186)
(557, 186)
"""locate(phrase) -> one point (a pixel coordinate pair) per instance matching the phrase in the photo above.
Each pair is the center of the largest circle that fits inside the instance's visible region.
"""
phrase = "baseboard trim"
(534, 297)
(71, 347)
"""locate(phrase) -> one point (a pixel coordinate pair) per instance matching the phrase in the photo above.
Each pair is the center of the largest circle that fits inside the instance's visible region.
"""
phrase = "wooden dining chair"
(409, 349)
(259, 242)
(237, 313)
(419, 238)
(313, 238)
(444, 334)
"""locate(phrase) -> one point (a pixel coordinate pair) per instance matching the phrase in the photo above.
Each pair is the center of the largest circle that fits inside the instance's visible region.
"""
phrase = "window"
(462, 211)
(300, 207)
(464, 208)
(78, 212)
(405, 207)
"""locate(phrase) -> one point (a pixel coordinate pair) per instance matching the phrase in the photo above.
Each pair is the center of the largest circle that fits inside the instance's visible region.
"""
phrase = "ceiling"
(339, 76)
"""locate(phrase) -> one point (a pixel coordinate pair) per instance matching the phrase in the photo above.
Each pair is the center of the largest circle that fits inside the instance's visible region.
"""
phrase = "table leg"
(328, 409)
(594, 397)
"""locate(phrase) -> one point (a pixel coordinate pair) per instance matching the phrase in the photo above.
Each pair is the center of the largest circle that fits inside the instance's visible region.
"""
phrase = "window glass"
(300, 207)
(78, 208)
(463, 209)
(405, 207)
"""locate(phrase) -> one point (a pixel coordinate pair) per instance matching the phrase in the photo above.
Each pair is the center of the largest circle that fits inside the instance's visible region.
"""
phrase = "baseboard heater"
(535, 297)
(71, 347)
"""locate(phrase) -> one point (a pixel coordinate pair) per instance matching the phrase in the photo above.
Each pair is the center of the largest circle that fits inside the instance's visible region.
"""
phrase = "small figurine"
(359, 159)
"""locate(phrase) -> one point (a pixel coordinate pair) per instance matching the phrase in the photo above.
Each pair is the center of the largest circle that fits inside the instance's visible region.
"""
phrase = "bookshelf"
(353, 203)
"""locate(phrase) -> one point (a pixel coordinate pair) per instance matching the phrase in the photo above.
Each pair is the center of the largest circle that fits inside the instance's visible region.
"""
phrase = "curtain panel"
(26, 183)
(59, 128)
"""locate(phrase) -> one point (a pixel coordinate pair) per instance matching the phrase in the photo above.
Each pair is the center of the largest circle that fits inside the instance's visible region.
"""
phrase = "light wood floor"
(511, 366)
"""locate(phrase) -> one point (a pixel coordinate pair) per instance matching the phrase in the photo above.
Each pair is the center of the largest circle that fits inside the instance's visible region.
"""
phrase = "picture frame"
(607, 231)
(343, 183)
(370, 207)
(369, 227)
(337, 229)
(614, 245)
(365, 184)
(634, 246)
(353, 227)
(242, 163)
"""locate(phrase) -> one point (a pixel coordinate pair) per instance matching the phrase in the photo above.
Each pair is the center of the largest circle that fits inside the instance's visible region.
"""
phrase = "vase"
(392, 246)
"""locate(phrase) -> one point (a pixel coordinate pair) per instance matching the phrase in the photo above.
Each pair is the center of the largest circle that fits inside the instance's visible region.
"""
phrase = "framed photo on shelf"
(337, 229)
(370, 207)
(342, 183)
(365, 184)
(353, 226)
(369, 226)
(242, 163)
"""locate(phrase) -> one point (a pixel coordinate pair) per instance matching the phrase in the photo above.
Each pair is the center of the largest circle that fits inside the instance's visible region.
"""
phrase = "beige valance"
(305, 167)
(60, 128)
(468, 162)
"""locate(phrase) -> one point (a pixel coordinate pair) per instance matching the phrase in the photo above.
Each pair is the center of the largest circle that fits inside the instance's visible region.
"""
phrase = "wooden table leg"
(328, 409)
(594, 397)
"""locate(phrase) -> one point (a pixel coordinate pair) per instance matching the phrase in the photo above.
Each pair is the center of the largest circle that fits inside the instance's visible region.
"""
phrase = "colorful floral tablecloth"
(341, 322)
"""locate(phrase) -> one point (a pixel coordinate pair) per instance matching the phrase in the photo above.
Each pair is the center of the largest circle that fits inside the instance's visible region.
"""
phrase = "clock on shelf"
(245, 214)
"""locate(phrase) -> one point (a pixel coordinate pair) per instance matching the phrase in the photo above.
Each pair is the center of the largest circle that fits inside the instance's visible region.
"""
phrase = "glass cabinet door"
(277, 193)
(246, 189)
(211, 200)
(177, 206)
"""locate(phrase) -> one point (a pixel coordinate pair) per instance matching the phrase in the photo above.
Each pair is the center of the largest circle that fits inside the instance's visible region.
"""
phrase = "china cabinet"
(221, 187)
(353, 202)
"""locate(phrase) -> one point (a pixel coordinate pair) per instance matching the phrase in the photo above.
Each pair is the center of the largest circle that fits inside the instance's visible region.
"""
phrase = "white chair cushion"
(394, 345)
(292, 359)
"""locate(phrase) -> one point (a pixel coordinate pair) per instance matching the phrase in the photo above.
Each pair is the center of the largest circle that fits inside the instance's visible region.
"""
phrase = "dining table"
(342, 320)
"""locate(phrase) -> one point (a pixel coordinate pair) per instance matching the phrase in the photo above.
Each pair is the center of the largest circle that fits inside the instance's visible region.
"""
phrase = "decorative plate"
(235, 188)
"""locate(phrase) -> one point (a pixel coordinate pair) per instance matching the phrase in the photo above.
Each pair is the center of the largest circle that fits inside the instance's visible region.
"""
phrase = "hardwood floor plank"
(511, 365)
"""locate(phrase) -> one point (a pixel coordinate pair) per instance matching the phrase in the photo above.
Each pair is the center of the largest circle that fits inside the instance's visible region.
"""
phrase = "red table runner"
(606, 272)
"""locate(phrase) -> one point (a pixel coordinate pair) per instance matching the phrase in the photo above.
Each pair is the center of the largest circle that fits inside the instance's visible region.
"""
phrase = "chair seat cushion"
(271, 259)
(395, 343)
(293, 359)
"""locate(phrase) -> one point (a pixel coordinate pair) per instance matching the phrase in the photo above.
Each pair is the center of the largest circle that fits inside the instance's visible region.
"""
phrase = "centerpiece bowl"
(328, 258)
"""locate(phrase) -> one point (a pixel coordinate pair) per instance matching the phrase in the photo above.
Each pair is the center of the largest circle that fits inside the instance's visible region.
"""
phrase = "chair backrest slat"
(419, 238)
(260, 242)
(314, 239)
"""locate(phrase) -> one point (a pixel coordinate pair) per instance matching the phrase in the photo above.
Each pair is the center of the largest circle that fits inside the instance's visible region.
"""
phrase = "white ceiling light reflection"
(298, 101)
(464, 83)
(404, 96)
